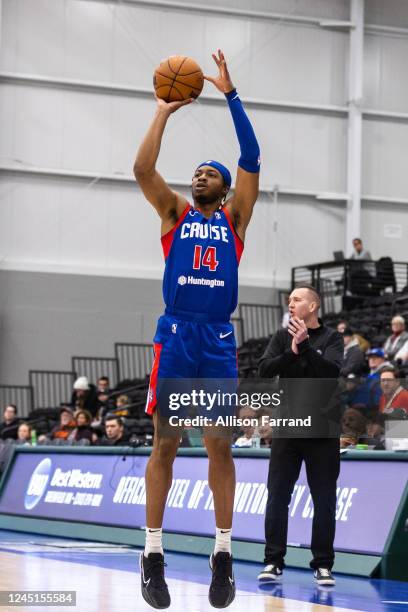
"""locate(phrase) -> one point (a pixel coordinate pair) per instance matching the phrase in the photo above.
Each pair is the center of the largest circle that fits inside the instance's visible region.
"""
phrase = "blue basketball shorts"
(188, 349)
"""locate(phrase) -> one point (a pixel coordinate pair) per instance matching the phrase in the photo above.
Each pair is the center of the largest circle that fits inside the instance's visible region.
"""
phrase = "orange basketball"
(178, 78)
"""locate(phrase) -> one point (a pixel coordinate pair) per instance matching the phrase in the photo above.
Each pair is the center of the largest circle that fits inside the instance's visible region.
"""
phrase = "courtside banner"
(110, 490)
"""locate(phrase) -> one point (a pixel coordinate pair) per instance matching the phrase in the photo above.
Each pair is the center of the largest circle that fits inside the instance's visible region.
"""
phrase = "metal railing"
(135, 359)
(19, 395)
(352, 277)
(95, 367)
(259, 320)
(400, 306)
(51, 387)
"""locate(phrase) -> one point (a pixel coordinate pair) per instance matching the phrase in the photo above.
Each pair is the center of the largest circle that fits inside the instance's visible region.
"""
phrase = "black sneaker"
(323, 576)
(154, 587)
(222, 587)
(270, 573)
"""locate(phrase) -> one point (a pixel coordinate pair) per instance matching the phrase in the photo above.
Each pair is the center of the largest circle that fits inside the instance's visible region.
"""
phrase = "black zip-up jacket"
(320, 356)
(315, 370)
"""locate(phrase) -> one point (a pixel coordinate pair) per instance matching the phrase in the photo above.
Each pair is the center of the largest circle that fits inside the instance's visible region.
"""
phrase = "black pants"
(322, 460)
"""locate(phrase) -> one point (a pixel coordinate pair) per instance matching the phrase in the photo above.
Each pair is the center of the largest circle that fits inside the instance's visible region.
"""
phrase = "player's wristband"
(248, 143)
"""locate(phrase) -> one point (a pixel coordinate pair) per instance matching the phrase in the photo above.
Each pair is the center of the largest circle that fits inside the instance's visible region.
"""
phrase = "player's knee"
(218, 449)
(166, 449)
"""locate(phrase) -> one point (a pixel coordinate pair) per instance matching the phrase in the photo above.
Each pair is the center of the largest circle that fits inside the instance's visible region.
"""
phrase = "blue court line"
(350, 592)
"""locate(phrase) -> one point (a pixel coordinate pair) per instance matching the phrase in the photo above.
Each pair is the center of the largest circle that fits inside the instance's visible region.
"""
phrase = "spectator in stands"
(354, 425)
(398, 338)
(103, 394)
(244, 437)
(375, 433)
(84, 396)
(360, 253)
(402, 355)
(362, 342)
(376, 363)
(341, 326)
(114, 432)
(83, 429)
(356, 393)
(24, 434)
(361, 274)
(102, 388)
(9, 426)
(66, 425)
(354, 362)
(394, 397)
(122, 406)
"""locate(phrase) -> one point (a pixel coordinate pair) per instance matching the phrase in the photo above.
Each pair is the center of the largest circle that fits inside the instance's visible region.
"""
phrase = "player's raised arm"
(168, 203)
(242, 202)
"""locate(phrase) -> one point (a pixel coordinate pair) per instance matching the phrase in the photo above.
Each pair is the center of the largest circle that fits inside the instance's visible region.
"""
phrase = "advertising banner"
(110, 490)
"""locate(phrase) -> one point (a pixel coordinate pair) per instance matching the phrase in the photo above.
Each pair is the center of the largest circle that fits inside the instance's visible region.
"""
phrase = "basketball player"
(202, 242)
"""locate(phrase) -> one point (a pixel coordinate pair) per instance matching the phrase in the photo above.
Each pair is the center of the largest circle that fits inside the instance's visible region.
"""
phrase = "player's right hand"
(171, 107)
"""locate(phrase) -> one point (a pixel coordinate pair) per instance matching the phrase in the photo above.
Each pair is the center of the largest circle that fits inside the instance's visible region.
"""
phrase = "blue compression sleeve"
(248, 143)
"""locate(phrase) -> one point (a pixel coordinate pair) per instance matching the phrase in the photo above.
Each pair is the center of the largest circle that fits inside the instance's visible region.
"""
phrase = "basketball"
(178, 78)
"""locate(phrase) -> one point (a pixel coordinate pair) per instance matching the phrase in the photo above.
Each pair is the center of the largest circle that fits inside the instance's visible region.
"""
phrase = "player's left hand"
(223, 81)
(298, 330)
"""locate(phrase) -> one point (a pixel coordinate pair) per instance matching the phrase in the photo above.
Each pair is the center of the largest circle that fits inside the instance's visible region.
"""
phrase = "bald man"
(307, 349)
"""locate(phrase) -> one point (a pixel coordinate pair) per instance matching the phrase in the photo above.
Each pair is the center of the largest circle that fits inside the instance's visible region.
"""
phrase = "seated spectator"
(114, 432)
(341, 326)
(362, 342)
(65, 426)
(354, 425)
(376, 363)
(24, 434)
(83, 429)
(375, 433)
(84, 396)
(354, 362)
(122, 406)
(9, 425)
(393, 396)
(402, 355)
(356, 393)
(244, 437)
(102, 388)
(118, 408)
(398, 338)
(103, 394)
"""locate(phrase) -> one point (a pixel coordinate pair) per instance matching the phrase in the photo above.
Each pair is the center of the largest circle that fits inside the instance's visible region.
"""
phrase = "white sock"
(153, 541)
(222, 540)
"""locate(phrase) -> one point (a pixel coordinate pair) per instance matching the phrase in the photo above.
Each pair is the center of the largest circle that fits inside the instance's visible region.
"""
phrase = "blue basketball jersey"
(201, 275)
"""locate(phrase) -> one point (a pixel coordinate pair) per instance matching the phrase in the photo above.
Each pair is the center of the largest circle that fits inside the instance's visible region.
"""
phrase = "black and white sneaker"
(154, 587)
(270, 573)
(222, 587)
(323, 576)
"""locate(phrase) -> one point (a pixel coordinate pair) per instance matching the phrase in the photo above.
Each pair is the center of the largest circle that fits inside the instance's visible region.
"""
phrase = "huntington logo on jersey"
(202, 257)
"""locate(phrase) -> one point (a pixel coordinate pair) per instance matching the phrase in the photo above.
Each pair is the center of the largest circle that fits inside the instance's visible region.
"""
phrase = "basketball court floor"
(106, 579)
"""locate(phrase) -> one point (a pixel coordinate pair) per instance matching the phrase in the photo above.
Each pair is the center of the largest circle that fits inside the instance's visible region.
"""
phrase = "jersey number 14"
(209, 259)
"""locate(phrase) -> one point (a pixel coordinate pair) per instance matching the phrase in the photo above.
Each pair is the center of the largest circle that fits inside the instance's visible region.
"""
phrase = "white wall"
(66, 225)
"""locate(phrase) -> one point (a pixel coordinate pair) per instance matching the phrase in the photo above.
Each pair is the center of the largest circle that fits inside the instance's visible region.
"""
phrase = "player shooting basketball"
(202, 247)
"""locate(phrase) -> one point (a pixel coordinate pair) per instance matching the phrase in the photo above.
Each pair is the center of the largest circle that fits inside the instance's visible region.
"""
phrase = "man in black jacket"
(306, 350)
(10, 423)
